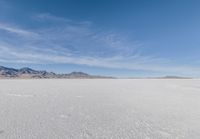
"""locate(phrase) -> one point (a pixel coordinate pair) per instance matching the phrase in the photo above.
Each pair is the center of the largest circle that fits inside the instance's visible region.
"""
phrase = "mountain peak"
(26, 68)
(78, 73)
(27, 72)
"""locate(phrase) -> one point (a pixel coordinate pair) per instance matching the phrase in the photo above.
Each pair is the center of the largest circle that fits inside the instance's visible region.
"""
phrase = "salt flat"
(100, 109)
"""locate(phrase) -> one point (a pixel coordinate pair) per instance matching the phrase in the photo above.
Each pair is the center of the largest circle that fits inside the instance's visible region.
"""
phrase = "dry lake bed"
(100, 109)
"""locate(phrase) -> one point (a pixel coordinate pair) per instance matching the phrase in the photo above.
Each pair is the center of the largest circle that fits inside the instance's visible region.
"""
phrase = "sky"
(122, 38)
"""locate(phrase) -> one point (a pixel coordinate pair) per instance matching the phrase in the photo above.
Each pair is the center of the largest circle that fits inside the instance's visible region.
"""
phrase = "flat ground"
(100, 109)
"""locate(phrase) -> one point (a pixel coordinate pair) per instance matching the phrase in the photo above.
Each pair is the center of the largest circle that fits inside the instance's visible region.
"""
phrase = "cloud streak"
(117, 62)
(17, 31)
(63, 41)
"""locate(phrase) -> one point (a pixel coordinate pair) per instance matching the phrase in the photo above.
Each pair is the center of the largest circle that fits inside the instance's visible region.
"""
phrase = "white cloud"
(47, 16)
(117, 62)
(17, 31)
(79, 43)
(55, 19)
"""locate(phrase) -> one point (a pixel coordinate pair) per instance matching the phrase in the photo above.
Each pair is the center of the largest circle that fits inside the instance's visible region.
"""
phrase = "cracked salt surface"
(97, 109)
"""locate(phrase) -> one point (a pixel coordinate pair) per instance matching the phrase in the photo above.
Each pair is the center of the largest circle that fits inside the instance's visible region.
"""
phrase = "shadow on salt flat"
(1, 131)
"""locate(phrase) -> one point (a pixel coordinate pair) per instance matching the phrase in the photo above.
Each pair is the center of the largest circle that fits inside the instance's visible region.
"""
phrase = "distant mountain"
(30, 73)
(164, 77)
(8, 72)
(174, 77)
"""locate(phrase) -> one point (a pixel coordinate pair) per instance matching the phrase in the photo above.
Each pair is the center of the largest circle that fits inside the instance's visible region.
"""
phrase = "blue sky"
(121, 38)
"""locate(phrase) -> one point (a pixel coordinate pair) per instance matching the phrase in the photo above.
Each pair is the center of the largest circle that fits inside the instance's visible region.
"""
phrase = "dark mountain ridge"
(31, 73)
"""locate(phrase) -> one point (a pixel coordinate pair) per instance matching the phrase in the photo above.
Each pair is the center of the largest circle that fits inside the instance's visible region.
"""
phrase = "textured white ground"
(100, 109)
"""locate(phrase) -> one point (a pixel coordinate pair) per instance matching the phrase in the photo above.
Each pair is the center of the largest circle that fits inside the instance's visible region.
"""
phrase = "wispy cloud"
(17, 31)
(117, 62)
(44, 17)
(66, 41)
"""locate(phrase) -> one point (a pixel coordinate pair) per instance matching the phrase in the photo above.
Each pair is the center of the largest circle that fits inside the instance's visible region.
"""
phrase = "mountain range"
(26, 72)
